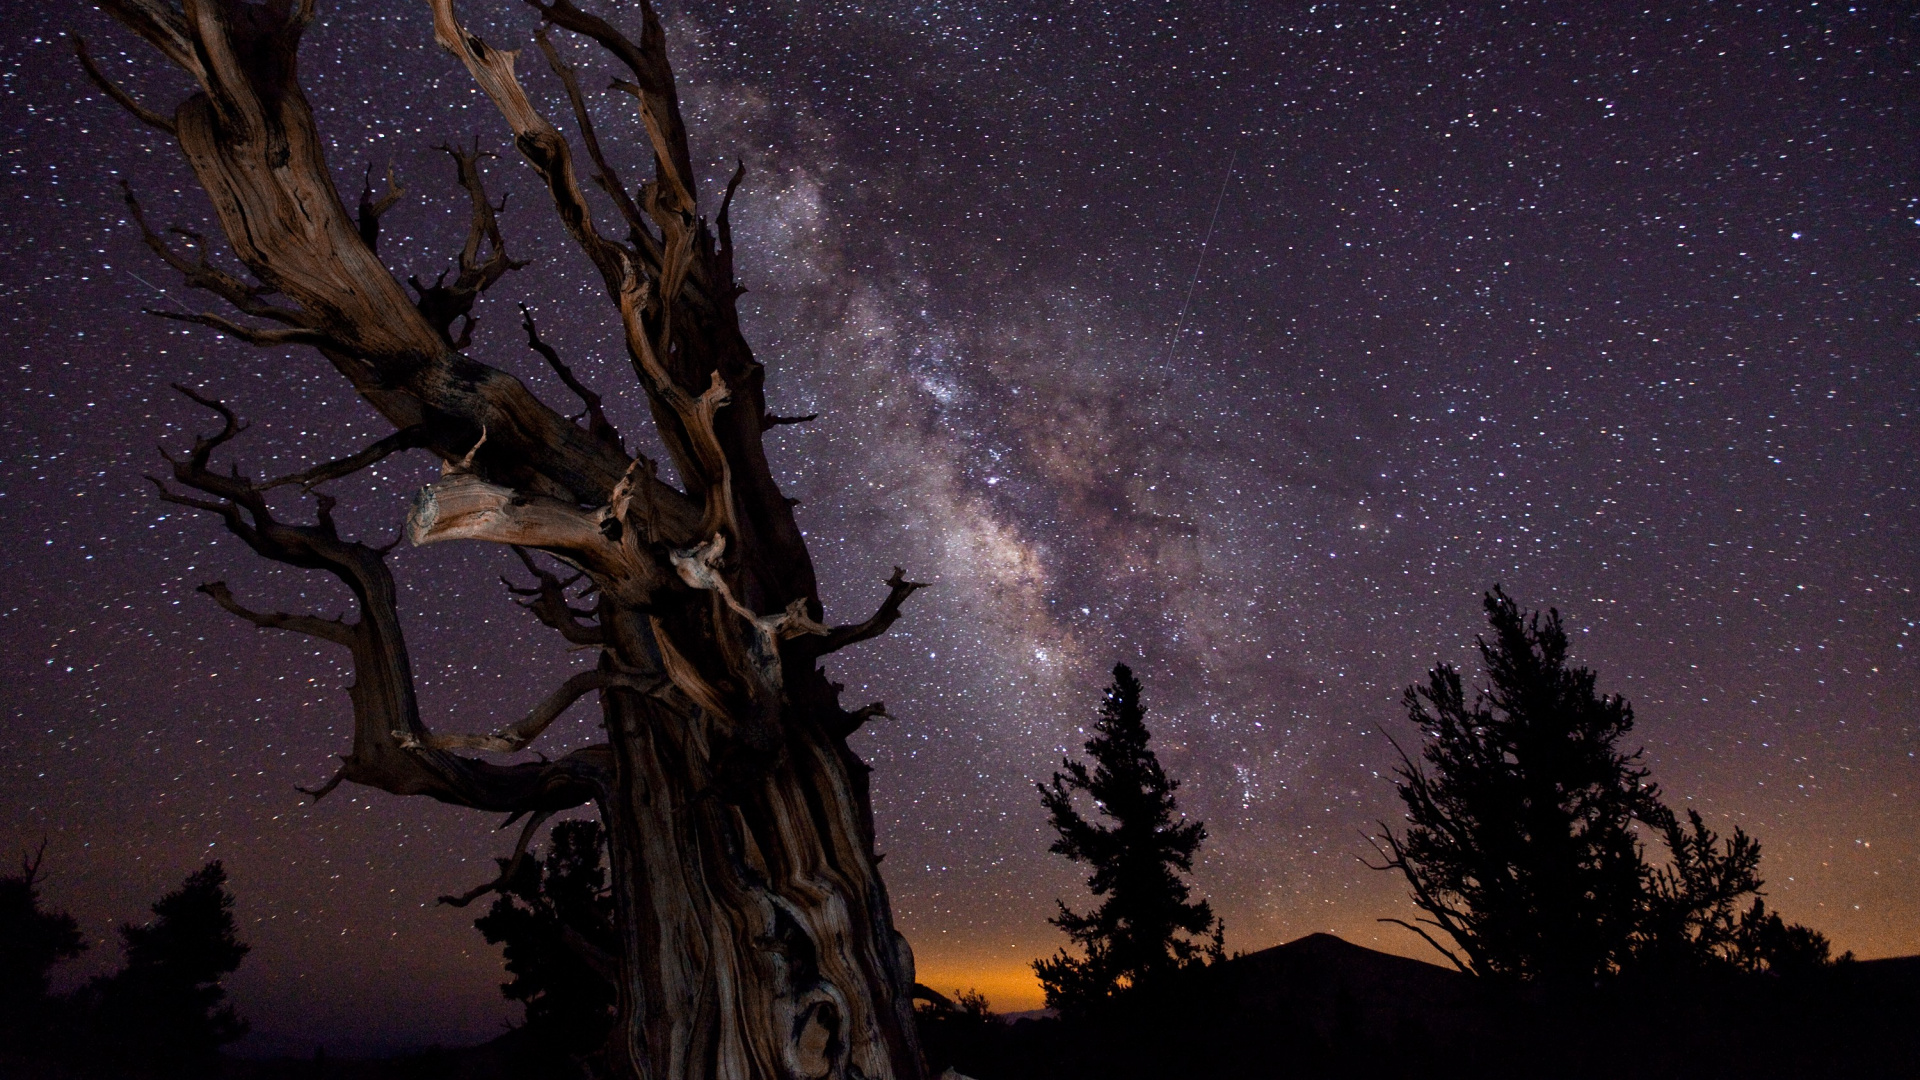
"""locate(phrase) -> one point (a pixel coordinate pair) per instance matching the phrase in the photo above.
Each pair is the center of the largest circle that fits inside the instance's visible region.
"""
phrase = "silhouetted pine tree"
(32, 941)
(1144, 929)
(1520, 843)
(554, 916)
(166, 1007)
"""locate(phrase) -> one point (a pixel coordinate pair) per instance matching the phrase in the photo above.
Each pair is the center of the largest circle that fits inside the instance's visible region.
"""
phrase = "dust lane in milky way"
(1608, 310)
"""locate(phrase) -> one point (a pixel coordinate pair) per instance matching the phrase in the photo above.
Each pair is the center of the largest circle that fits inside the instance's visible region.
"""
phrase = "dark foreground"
(1321, 1007)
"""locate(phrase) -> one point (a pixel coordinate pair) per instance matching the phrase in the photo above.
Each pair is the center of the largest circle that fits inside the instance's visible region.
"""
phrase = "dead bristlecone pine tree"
(754, 937)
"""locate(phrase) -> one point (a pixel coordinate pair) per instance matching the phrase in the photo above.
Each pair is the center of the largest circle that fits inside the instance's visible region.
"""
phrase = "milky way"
(1614, 307)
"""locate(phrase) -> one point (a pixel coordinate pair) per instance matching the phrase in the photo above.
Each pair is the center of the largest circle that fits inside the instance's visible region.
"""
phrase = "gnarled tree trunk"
(755, 936)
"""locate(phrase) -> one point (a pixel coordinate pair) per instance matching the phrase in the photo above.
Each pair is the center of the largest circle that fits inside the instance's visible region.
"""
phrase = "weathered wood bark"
(756, 939)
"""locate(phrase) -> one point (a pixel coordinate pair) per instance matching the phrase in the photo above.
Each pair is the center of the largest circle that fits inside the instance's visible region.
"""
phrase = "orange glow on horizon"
(1009, 985)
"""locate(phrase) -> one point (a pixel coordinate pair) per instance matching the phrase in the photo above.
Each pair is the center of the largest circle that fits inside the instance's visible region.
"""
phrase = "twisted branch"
(205, 276)
(597, 423)
(372, 209)
(251, 140)
(517, 737)
(439, 303)
(899, 588)
(382, 690)
(607, 179)
(653, 86)
(549, 603)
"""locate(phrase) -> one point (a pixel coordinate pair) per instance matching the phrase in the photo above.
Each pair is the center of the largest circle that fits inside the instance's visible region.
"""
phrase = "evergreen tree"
(1145, 927)
(1520, 843)
(32, 941)
(166, 1007)
(553, 916)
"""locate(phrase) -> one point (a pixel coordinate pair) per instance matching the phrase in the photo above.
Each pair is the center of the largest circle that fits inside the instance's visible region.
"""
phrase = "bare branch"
(372, 209)
(606, 177)
(549, 604)
(537, 139)
(202, 274)
(724, 221)
(411, 438)
(654, 87)
(465, 464)
(842, 636)
(857, 719)
(325, 789)
(439, 303)
(770, 421)
(669, 352)
(205, 445)
(699, 567)
(382, 690)
(1444, 951)
(30, 864)
(507, 869)
(597, 423)
(164, 27)
(125, 100)
(484, 233)
(462, 506)
(511, 739)
(227, 510)
(251, 140)
(335, 630)
(249, 334)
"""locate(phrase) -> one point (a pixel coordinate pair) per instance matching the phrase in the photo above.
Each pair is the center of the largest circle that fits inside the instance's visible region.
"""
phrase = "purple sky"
(1615, 307)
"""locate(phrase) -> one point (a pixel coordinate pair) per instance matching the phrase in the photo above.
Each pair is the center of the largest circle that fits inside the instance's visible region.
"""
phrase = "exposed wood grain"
(756, 939)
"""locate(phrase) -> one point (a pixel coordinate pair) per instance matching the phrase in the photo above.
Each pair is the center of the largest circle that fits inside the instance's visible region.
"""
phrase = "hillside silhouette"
(1321, 1006)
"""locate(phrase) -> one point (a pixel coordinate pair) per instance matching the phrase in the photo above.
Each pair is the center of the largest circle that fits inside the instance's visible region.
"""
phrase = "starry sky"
(1246, 343)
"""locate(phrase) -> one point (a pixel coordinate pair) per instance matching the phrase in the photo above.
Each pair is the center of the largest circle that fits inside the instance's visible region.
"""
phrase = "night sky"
(1244, 342)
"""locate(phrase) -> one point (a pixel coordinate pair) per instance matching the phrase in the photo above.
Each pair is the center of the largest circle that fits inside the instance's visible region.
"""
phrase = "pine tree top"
(1138, 849)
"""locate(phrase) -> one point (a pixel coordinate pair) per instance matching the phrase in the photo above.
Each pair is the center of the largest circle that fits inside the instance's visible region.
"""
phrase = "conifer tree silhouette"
(32, 941)
(1146, 927)
(1520, 844)
(166, 1008)
(554, 917)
